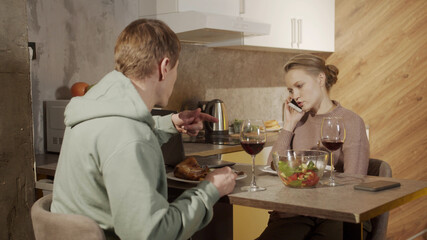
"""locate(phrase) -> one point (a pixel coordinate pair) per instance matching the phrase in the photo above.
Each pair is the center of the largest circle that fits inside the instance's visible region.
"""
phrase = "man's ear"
(164, 68)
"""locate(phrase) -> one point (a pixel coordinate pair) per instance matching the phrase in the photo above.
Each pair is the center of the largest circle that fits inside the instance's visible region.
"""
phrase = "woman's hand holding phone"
(293, 104)
(292, 115)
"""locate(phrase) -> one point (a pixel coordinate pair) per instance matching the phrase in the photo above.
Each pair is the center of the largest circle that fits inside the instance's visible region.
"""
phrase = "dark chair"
(52, 226)
(379, 223)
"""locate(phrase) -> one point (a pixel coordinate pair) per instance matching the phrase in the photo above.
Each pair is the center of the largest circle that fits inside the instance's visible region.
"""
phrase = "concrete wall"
(75, 42)
(16, 146)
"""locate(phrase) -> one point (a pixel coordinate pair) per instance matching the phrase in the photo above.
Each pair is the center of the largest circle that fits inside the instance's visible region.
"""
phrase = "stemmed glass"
(252, 139)
(332, 134)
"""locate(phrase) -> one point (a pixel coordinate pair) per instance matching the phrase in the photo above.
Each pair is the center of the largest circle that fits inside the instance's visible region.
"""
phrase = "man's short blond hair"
(142, 45)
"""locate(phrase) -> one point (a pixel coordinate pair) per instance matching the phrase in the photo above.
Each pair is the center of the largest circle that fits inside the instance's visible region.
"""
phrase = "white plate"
(267, 169)
(273, 129)
(171, 176)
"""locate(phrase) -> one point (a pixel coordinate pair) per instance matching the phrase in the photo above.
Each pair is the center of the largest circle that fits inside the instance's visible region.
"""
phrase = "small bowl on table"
(300, 168)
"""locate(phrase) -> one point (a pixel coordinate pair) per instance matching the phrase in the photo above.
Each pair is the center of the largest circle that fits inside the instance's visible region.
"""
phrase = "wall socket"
(33, 46)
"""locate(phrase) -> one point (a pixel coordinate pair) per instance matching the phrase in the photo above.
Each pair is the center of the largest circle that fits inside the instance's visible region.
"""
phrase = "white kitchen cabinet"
(295, 25)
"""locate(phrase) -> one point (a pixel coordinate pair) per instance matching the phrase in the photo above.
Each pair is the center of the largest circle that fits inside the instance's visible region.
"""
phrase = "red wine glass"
(332, 134)
(252, 139)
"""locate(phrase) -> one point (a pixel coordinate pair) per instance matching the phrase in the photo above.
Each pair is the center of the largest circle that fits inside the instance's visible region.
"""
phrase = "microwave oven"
(54, 124)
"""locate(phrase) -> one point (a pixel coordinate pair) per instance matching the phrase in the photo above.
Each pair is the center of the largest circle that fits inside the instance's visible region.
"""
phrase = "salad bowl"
(300, 168)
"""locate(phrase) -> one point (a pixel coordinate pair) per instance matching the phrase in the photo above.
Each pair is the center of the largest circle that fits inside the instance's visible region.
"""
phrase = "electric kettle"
(215, 108)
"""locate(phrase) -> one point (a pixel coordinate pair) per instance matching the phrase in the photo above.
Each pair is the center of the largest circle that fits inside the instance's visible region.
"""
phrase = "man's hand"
(191, 121)
(224, 180)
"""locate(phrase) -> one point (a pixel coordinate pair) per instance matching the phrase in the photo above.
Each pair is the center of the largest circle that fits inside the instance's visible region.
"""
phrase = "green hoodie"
(111, 167)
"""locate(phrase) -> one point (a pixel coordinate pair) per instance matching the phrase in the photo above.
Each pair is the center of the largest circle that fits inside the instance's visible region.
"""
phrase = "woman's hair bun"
(331, 75)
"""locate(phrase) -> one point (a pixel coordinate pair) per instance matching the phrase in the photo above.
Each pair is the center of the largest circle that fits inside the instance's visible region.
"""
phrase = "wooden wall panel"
(381, 51)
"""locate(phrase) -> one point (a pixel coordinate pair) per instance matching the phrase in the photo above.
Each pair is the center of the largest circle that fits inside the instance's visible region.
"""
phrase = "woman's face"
(304, 88)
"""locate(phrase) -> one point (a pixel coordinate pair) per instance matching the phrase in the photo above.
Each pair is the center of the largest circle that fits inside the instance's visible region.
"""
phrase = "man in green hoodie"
(111, 166)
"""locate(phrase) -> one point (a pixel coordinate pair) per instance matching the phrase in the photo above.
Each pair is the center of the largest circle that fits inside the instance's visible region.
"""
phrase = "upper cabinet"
(295, 25)
(275, 25)
(203, 21)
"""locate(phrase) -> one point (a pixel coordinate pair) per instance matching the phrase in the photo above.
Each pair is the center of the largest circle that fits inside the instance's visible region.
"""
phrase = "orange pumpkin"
(79, 89)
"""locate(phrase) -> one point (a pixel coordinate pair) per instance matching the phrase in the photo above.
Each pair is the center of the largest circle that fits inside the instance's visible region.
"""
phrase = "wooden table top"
(341, 203)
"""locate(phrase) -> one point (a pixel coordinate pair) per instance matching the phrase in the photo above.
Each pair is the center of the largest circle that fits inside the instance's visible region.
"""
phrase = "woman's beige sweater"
(352, 157)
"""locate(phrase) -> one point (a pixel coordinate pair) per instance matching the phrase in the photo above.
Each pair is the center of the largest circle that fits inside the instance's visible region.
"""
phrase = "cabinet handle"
(242, 7)
(299, 21)
(293, 26)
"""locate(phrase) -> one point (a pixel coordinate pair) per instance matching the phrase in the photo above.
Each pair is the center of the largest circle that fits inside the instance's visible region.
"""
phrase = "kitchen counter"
(46, 163)
(203, 149)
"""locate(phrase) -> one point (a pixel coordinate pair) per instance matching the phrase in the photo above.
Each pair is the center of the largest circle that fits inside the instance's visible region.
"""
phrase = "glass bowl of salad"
(300, 168)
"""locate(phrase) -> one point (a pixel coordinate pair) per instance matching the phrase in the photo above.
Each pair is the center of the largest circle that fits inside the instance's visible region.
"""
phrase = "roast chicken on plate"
(190, 169)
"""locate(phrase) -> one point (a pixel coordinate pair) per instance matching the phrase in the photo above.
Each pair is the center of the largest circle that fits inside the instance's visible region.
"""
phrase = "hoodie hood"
(115, 96)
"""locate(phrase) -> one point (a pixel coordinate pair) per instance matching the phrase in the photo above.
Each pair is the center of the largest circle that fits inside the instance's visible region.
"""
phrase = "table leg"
(352, 231)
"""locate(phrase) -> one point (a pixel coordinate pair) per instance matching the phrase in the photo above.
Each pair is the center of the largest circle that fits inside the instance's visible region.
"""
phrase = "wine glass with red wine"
(252, 139)
(332, 134)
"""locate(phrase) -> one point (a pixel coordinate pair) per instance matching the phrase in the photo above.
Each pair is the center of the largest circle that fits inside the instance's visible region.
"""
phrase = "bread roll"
(272, 124)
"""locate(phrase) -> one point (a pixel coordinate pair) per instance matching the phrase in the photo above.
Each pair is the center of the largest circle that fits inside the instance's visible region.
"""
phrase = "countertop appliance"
(217, 109)
(54, 124)
(214, 133)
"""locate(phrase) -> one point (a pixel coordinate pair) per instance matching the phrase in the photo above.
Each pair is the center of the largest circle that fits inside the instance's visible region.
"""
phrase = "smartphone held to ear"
(293, 104)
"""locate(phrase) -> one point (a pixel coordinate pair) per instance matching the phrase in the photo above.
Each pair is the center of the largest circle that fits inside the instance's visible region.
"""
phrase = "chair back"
(379, 168)
(51, 226)
(379, 223)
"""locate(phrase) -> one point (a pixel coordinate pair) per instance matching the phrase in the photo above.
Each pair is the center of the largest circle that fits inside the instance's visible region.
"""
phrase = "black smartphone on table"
(376, 186)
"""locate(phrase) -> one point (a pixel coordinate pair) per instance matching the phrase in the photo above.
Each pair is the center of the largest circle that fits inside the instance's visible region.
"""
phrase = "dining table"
(341, 203)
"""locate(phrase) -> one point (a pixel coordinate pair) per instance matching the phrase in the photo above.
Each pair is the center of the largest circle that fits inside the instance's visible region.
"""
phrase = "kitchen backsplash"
(249, 82)
(256, 103)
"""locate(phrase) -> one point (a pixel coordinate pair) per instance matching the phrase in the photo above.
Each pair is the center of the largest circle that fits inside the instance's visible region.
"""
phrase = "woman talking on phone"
(309, 80)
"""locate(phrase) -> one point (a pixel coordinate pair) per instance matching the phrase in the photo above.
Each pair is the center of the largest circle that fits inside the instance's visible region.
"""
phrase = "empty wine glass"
(252, 139)
(332, 134)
